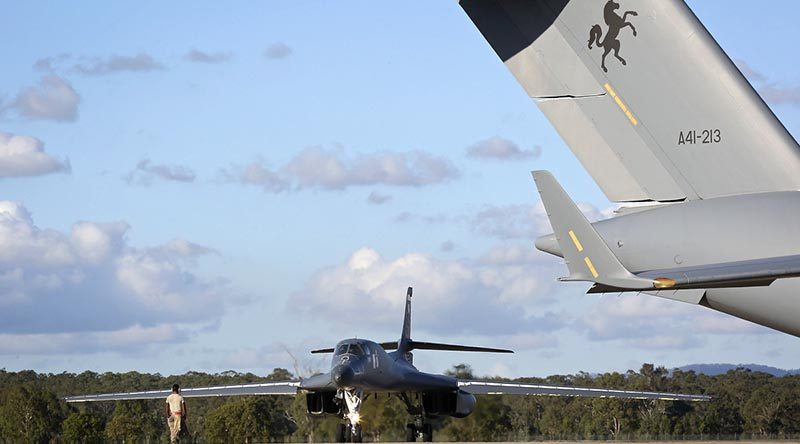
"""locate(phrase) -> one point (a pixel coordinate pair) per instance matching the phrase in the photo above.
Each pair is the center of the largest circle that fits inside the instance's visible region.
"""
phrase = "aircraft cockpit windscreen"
(351, 349)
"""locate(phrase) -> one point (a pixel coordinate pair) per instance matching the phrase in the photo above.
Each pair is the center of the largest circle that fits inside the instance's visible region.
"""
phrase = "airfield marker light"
(664, 283)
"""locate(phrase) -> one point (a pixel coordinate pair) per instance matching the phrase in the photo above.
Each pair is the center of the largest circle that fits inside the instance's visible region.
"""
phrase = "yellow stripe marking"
(621, 104)
(591, 266)
(576, 241)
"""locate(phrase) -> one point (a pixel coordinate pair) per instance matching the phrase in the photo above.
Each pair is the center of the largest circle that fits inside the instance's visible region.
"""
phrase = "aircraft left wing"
(265, 388)
(511, 388)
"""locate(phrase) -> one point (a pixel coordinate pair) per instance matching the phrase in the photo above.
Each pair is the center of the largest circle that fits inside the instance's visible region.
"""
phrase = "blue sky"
(212, 187)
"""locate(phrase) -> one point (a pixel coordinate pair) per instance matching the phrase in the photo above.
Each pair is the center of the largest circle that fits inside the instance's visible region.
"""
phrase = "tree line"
(745, 402)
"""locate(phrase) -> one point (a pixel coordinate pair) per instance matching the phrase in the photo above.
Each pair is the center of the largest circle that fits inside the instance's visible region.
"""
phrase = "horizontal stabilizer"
(510, 388)
(417, 345)
(322, 350)
(749, 273)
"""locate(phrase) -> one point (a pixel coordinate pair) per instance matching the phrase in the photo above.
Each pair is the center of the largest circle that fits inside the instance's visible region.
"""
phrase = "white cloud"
(334, 170)
(89, 285)
(52, 99)
(459, 297)
(25, 156)
(198, 56)
(499, 148)
(99, 66)
(146, 172)
(649, 322)
(129, 338)
(277, 51)
(523, 221)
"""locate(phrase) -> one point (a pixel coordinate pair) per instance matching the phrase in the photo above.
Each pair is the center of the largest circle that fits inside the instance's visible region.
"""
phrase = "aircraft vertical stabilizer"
(643, 95)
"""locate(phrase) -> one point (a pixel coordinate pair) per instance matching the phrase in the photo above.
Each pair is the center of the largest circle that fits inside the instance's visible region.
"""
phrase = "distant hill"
(721, 369)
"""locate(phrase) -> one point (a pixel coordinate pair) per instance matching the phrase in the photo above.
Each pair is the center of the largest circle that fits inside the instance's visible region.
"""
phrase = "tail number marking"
(700, 137)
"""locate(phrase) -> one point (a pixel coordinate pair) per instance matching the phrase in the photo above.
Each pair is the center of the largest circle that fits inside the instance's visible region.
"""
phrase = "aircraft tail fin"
(405, 345)
(653, 108)
(587, 256)
(405, 335)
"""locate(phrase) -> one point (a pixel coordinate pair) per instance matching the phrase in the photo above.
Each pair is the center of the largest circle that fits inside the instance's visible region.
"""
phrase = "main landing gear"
(351, 430)
(419, 428)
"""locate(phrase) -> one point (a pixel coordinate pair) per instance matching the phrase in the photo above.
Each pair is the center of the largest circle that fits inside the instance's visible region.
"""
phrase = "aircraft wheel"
(411, 433)
(427, 433)
(348, 435)
(340, 432)
(357, 435)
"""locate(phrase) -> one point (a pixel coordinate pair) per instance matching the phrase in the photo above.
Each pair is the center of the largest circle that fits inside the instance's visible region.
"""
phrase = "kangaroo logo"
(615, 25)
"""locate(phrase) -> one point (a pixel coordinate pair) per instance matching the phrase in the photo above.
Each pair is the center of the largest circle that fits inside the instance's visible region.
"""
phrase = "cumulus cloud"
(99, 66)
(90, 286)
(522, 221)
(277, 51)
(498, 148)
(649, 322)
(334, 170)
(484, 296)
(198, 56)
(146, 172)
(52, 99)
(125, 339)
(25, 156)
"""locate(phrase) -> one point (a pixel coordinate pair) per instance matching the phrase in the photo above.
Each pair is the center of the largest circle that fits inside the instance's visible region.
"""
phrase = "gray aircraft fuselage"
(717, 230)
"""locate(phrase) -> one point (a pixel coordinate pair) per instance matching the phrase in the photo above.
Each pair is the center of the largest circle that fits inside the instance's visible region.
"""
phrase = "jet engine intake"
(458, 404)
(323, 403)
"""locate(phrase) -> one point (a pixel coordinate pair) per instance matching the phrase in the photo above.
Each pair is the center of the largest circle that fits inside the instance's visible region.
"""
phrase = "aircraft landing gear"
(419, 428)
(351, 430)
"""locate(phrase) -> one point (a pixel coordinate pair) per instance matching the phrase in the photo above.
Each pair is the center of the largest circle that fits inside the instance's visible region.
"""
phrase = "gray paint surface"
(676, 82)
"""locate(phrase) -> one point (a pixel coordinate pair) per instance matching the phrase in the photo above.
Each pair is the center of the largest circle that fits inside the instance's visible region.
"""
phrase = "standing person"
(176, 413)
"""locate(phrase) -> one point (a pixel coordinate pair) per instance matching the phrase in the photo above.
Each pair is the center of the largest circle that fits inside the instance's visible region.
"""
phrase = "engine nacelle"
(323, 403)
(458, 404)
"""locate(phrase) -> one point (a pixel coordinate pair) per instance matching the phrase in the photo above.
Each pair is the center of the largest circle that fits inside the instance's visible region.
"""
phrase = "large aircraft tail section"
(643, 95)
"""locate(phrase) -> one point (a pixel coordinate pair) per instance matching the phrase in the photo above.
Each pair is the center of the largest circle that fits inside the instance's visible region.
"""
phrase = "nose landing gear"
(351, 430)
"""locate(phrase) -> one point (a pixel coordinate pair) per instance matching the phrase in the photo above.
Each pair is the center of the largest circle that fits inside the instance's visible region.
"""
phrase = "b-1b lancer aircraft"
(360, 367)
(658, 114)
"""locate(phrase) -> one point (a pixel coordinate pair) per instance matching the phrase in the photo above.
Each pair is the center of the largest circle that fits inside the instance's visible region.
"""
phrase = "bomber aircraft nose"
(343, 375)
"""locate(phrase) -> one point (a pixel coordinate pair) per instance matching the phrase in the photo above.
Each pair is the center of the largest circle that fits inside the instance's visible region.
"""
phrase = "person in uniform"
(176, 413)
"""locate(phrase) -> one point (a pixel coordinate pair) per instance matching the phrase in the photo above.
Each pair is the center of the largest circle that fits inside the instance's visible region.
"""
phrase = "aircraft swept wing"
(512, 388)
(265, 388)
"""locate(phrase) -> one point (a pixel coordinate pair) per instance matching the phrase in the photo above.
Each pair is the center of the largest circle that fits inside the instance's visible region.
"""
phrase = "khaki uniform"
(175, 402)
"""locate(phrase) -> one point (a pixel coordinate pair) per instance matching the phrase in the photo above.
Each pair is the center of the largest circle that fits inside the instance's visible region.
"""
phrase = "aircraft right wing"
(265, 388)
(512, 388)
(643, 95)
